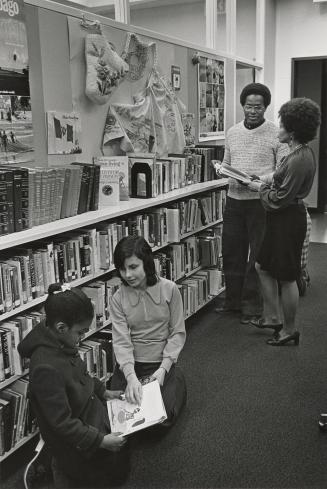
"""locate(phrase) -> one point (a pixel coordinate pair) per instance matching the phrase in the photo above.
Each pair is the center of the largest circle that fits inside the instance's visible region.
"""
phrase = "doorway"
(309, 79)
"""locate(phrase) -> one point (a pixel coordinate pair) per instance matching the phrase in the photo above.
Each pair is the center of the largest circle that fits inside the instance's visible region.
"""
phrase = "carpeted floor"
(251, 418)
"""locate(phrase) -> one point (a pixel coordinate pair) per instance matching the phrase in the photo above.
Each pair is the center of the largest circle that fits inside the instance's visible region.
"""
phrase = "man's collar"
(253, 127)
(134, 295)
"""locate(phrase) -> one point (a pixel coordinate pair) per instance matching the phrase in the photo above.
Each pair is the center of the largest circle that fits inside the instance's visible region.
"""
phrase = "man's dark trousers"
(243, 230)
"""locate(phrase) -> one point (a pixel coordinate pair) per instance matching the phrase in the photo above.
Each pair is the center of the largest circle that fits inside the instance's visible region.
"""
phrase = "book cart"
(94, 219)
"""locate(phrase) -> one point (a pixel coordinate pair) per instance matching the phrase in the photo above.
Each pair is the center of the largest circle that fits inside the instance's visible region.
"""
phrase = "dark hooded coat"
(68, 403)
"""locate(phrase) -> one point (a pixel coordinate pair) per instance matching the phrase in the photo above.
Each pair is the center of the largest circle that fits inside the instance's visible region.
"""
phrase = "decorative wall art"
(104, 68)
(211, 99)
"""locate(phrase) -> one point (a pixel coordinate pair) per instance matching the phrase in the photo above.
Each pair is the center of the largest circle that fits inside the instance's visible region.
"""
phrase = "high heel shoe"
(283, 341)
(260, 323)
(323, 422)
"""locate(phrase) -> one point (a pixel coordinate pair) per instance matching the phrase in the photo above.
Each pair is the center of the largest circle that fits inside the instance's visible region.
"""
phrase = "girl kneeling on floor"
(148, 328)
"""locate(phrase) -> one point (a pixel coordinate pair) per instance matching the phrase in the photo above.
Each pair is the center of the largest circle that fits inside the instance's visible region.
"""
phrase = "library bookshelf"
(92, 218)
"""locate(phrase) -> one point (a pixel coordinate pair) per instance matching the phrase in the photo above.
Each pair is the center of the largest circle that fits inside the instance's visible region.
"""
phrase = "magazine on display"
(126, 418)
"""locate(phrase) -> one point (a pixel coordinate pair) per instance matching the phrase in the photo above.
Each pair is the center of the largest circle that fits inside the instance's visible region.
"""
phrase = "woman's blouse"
(292, 180)
(147, 325)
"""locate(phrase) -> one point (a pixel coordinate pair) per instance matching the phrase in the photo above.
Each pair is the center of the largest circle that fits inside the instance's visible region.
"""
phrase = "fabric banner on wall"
(211, 99)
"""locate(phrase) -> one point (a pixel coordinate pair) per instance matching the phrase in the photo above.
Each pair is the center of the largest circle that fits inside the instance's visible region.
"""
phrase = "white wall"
(246, 28)
(184, 21)
(301, 31)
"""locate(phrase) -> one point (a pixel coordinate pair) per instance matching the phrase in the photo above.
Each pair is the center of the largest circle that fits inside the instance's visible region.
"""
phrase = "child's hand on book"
(133, 392)
(113, 442)
(109, 395)
(159, 375)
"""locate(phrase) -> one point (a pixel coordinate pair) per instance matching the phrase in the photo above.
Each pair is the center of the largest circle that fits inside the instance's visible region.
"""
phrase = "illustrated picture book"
(126, 418)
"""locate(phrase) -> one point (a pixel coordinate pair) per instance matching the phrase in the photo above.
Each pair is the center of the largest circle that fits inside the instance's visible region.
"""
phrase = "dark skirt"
(280, 253)
(173, 390)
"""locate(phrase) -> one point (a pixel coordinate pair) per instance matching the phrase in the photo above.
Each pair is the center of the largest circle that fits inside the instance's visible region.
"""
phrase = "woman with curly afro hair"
(282, 194)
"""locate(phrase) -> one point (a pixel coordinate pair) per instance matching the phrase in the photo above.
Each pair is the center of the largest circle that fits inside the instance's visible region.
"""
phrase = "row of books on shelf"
(26, 273)
(180, 259)
(198, 289)
(16, 416)
(33, 196)
(150, 177)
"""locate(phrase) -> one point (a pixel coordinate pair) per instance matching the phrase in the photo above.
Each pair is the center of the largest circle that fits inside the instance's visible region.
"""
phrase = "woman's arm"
(122, 342)
(177, 334)
(124, 350)
(281, 197)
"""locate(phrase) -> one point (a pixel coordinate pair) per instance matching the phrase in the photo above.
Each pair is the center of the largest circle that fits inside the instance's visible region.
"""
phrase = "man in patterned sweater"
(251, 146)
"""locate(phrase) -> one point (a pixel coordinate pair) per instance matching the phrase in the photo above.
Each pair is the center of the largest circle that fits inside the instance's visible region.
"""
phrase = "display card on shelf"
(123, 172)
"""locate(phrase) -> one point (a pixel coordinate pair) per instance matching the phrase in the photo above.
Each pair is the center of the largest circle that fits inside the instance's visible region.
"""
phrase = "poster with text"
(211, 99)
(64, 132)
(16, 128)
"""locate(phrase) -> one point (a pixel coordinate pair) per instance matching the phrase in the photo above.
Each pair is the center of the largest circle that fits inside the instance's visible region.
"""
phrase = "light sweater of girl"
(147, 325)
(254, 151)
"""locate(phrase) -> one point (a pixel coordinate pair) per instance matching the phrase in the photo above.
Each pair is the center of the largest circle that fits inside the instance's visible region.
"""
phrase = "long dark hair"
(70, 306)
(138, 246)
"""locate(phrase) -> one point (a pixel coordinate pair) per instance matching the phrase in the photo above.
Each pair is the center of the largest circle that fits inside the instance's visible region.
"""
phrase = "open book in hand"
(126, 418)
(231, 172)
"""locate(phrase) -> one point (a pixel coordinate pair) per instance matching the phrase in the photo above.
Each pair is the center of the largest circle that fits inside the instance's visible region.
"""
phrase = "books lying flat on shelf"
(231, 172)
(126, 418)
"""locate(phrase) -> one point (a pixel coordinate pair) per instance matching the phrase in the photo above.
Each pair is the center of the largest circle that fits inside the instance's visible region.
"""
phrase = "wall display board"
(16, 133)
(211, 99)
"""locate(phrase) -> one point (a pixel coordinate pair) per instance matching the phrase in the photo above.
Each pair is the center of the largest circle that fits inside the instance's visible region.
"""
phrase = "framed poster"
(211, 99)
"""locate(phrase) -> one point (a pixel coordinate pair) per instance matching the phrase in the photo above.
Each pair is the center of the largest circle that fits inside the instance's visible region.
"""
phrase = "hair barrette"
(64, 287)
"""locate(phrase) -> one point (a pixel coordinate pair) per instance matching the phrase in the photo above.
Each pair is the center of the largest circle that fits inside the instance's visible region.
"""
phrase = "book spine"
(31, 197)
(32, 274)
(83, 195)
(18, 200)
(5, 353)
(38, 274)
(37, 197)
(25, 199)
(10, 200)
(4, 212)
(2, 367)
(7, 288)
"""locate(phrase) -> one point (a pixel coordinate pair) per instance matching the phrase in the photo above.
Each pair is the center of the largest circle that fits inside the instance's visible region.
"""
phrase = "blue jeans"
(243, 231)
